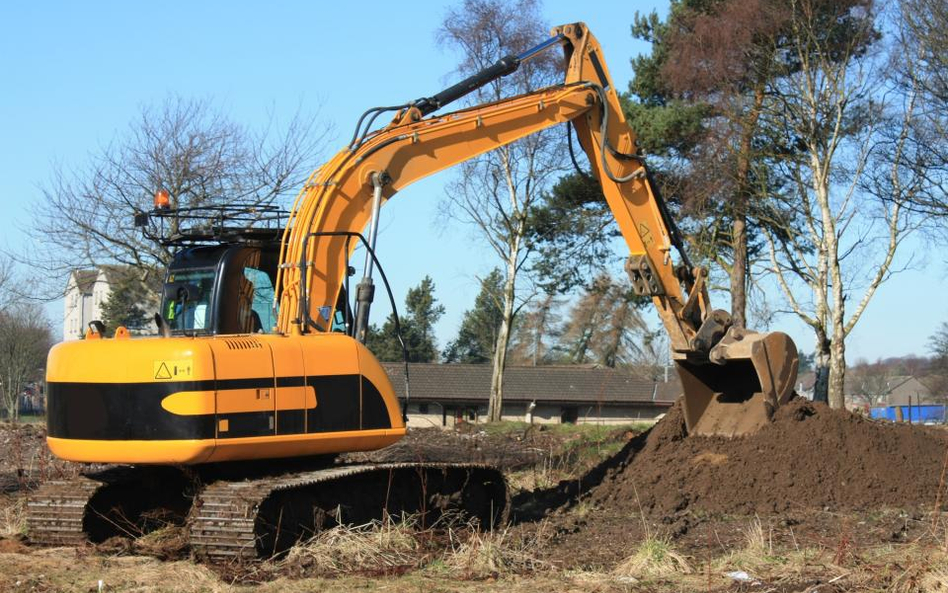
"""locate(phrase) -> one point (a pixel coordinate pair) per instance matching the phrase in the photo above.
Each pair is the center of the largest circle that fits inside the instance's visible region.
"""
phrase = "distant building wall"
(79, 306)
(447, 415)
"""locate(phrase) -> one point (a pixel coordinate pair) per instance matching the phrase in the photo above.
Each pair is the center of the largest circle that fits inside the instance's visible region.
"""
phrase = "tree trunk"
(837, 383)
(821, 367)
(496, 403)
(739, 270)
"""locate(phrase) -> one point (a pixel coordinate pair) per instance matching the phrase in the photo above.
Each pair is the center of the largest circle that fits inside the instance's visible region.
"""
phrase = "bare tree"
(25, 339)
(185, 147)
(921, 65)
(7, 282)
(847, 216)
(497, 191)
(872, 382)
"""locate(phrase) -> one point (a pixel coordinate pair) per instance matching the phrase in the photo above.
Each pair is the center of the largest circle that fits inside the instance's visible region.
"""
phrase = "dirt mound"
(810, 456)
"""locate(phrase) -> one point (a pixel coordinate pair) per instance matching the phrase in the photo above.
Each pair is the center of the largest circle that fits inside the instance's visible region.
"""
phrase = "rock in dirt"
(810, 456)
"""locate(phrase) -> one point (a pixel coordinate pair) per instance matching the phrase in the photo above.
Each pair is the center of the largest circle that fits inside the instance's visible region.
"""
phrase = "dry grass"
(935, 581)
(758, 541)
(167, 542)
(12, 517)
(380, 547)
(476, 554)
(655, 557)
(64, 570)
(757, 556)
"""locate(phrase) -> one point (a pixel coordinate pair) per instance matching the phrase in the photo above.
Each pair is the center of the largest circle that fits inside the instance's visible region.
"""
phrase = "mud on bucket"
(735, 392)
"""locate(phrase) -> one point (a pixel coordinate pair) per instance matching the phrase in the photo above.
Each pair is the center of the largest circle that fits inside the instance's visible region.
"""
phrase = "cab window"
(256, 311)
(187, 300)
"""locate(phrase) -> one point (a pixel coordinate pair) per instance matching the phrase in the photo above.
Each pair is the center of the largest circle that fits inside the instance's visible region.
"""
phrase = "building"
(86, 294)
(444, 394)
(86, 290)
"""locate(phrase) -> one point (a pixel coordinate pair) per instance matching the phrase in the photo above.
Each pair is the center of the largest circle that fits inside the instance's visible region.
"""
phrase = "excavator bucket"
(736, 392)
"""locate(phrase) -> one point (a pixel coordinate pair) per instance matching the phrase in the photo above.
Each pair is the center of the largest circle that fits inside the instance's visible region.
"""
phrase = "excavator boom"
(732, 378)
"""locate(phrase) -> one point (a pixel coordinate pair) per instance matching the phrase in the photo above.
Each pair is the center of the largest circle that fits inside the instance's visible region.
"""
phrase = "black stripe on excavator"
(132, 411)
(603, 79)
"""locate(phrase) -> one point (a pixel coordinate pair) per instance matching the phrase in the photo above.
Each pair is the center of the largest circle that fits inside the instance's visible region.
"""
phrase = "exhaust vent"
(243, 343)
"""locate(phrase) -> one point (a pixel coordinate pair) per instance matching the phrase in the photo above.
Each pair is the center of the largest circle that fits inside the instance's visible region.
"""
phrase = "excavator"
(260, 376)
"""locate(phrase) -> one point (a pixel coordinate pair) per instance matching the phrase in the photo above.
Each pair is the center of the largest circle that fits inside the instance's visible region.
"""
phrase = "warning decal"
(173, 370)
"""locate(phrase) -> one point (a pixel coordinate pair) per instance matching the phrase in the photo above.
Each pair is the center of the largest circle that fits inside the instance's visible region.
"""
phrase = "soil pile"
(810, 456)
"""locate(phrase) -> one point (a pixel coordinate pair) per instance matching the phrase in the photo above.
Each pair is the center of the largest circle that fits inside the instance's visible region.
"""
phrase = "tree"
(938, 343)
(699, 100)
(573, 230)
(536, 326)
(25, 339)
(922, 68)
(938, 346)
(424, 312)
(872, 382)
(497, 191)
(480, 328)
(131, 301)
(848, 184)
(584, 321)
(417, 328)
(188, 148)
(605, 327)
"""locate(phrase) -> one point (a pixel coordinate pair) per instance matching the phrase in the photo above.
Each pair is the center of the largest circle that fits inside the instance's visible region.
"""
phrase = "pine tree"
(417, 328)
(126, 303)
(477, 336)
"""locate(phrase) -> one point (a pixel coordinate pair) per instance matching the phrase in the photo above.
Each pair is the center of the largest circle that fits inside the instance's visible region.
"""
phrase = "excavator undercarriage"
(260, 516)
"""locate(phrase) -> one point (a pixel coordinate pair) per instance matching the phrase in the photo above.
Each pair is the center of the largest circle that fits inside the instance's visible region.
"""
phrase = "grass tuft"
(655, 557)
(495, 553)
(12, 517)
(379, 547)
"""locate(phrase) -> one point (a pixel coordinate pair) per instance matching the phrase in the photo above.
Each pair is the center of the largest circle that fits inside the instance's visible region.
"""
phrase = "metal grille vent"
(243, 344)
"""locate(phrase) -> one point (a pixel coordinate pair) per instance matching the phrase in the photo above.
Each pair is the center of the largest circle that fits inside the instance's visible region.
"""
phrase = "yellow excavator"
(261, 356)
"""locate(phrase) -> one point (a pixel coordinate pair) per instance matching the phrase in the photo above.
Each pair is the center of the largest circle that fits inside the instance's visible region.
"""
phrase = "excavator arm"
(732, 379)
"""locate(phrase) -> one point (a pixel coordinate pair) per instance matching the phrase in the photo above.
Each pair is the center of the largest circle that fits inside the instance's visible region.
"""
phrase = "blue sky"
(74, 74)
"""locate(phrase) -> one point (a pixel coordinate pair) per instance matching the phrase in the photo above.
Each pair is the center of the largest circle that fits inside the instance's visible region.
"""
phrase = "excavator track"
(96, 506)
(245, 519)
(56, 510)
(238, 521)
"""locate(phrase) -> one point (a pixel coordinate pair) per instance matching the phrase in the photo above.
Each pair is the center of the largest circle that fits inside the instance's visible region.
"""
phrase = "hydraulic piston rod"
(365, 290)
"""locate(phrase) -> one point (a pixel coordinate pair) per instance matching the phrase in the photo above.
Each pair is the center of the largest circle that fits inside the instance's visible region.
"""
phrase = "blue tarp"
(922, 413)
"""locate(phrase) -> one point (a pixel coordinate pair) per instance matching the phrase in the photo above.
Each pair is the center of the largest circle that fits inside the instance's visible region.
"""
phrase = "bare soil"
(810, 457)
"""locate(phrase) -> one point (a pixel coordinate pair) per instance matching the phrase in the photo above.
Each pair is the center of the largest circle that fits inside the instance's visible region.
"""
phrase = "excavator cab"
(198, 297)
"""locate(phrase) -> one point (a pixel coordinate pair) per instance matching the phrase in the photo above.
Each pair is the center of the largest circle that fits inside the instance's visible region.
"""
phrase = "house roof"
(85, 279)
(115, 274)
(908, 389)
(471, 382)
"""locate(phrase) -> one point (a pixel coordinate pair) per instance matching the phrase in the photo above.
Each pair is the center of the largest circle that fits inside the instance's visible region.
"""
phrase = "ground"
(819, 501)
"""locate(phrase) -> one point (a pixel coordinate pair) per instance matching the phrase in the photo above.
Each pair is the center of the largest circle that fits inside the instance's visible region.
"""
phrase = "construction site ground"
(820, 500)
